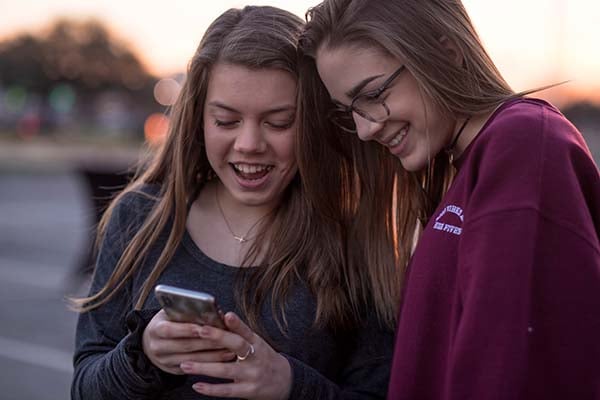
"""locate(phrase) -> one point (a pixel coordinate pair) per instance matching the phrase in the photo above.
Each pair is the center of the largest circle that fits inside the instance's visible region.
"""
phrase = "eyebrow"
(352, 93)
(218, 104)
(286, 107)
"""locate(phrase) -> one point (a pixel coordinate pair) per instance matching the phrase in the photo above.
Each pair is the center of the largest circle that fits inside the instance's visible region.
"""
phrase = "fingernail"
(199, 387)
(186, 366)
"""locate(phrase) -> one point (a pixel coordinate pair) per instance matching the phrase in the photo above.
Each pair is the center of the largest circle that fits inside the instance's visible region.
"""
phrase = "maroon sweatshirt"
(502, 300)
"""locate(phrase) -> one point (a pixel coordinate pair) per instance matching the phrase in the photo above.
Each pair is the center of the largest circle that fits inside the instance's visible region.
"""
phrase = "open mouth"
(251, 172)
(398, 138)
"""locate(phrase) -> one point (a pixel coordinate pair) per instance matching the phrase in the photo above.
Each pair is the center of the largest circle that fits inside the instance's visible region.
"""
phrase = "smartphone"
(182, 305)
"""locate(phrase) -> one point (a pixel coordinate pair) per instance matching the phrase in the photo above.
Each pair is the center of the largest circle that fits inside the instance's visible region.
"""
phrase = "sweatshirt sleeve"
(365, 374)
(109, 362)
(529, 276)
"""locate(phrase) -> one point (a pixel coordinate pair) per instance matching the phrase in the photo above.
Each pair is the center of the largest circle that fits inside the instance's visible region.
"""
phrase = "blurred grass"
(69, 151)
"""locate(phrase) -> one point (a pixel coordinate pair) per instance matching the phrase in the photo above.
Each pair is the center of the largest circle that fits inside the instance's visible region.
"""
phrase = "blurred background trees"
(75, 79)
(77, 82)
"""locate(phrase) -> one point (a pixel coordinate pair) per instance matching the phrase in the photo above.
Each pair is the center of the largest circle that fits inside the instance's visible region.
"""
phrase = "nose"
(250, 139)
(366, 129)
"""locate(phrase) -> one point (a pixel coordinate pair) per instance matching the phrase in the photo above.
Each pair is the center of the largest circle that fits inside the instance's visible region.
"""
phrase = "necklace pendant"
(240, 239)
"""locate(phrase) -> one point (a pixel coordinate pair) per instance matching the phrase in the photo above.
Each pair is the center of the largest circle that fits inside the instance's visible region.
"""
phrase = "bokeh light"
(15, 99)
(166, 91)
(62, 98)
(156, 128)
(29, 125)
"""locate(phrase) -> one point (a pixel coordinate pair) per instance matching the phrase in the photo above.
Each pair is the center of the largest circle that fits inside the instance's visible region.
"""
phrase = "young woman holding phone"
(222, 210)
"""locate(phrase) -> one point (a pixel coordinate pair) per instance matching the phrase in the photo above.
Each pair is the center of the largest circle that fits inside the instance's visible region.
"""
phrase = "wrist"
(286, 377)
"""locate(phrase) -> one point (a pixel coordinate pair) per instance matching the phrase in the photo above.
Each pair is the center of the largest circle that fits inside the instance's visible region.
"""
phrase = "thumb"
(237, 326)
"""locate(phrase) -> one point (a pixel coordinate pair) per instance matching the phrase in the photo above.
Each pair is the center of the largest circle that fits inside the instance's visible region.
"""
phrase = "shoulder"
(529, 134)
(139, 196)
(531, 125)
(530, 156)
(134, 205)
(538, 131)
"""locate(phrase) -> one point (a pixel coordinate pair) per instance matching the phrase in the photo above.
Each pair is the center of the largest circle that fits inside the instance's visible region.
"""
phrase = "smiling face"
(249, 132)
(415, 130)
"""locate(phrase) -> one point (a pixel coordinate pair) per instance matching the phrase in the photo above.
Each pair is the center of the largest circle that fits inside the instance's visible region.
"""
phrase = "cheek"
(284, 147)
(214, 147)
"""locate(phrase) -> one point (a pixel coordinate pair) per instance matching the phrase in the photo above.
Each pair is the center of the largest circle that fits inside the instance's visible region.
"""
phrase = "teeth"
(252, 169)
(398, 138)
(395, 140)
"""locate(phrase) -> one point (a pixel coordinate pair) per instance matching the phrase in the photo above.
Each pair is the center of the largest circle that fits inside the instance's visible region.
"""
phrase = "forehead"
(343, 67)
(239, 86)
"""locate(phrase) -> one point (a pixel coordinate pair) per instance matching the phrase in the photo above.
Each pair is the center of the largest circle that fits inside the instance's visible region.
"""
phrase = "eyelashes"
(225, 124)
(271, 124)
(282, 125)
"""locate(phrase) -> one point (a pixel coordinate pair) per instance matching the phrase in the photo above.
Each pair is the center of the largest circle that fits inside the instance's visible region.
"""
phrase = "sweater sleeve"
(109, 362)
(365, 372)
(529, 276)
(527, 315)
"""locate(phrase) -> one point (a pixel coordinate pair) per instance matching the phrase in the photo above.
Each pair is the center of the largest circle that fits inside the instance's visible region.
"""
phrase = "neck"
(471, 131)
(242, 221)
(237, 213)
(459, 129)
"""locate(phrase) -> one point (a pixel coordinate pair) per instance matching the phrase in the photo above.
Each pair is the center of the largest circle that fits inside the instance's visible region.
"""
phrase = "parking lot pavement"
(44, 219)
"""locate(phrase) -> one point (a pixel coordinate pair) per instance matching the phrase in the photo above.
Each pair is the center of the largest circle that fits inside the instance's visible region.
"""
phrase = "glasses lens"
(371, 108)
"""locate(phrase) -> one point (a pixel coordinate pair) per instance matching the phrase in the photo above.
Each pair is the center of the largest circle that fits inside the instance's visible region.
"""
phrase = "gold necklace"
(243, 238)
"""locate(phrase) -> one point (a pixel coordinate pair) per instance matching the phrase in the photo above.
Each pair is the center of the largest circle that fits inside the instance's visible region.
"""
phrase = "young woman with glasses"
(501, 297)
(222, 209)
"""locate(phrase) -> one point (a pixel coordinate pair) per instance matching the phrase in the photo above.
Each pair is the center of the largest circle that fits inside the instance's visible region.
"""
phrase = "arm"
(108, 361)
(109, 369)
(365, 372)
(270, 375)
(529, 271)
(529, 326)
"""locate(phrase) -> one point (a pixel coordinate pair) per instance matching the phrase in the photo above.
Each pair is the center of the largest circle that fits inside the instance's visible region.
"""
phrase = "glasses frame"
(341, 109)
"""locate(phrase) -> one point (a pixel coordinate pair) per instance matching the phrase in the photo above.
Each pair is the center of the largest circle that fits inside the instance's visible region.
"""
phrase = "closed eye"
(372, 94)
(225, 124)
(280, 125)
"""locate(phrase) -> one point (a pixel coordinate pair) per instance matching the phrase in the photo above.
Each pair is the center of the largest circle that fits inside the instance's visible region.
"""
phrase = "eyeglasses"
(368, 105)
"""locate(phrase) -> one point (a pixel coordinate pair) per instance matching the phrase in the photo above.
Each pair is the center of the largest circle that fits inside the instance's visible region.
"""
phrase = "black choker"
(450, 149)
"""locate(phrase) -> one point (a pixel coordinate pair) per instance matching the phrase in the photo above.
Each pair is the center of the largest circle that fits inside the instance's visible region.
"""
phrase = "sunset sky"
(534, 42)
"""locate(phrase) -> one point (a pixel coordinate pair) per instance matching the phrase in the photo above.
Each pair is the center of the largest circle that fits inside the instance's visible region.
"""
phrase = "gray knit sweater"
(110, 364)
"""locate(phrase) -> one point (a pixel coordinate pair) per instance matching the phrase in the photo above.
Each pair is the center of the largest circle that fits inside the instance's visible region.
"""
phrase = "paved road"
(43, 229)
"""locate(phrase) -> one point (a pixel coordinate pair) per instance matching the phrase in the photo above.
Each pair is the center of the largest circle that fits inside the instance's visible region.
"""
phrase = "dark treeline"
(75, 75)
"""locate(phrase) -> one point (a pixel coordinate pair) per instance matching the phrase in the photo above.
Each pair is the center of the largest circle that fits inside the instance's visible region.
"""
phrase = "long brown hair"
(302, 244)
(381, 202)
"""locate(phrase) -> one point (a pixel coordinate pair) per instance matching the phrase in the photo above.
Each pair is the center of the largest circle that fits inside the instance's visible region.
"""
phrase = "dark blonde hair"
(301, 243)
(381, 203)
(414, 31)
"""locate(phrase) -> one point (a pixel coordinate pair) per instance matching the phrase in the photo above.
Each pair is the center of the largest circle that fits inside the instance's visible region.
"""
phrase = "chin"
(412, 164)
(259, 199)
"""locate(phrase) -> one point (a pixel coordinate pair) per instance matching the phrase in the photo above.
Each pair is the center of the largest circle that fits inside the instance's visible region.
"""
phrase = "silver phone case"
(182, 305)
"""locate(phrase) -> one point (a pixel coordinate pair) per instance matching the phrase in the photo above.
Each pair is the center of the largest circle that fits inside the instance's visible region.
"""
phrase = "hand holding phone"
(171, 337)
(183, 305)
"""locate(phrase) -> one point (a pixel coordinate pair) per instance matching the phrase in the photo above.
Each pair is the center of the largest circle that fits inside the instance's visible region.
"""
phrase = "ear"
(452, 50)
